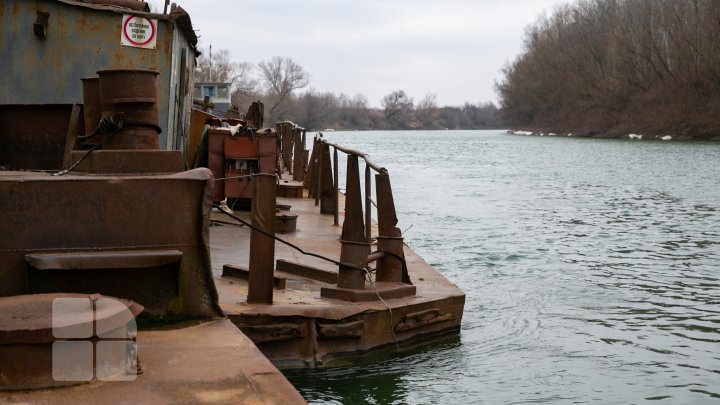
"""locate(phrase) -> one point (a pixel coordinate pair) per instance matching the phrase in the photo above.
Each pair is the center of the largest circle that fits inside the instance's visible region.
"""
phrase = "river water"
(591, 268)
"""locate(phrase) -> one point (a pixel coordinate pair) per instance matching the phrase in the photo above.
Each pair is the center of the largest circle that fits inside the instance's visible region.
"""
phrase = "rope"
(108, 126)
(264, 232)
(405, 274)
(392, 324)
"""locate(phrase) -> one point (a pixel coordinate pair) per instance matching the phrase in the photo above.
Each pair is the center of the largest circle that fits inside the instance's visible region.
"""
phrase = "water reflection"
(380, 379)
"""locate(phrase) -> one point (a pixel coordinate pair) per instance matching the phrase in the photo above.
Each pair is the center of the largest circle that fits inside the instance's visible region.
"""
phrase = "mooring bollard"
(262, 247)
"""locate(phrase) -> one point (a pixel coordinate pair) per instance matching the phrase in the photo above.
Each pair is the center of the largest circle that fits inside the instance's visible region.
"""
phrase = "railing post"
(287, 146)
(318, 186)
(368, 205)
(306, 154)
(326, 182)
(298, 155)
(392, 279)
(354, 250)
(262, 247)
(336, 208)
(310, 176)
(390, 267)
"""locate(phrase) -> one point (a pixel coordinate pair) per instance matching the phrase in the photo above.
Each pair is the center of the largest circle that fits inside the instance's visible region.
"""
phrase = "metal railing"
(321, 179)
(369, 164)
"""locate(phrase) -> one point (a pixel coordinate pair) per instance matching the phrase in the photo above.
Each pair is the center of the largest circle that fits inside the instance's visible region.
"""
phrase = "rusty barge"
(227, 242)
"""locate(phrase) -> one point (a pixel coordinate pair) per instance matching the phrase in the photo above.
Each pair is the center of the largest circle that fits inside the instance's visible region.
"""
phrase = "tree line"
(613, 67)
(283, 86)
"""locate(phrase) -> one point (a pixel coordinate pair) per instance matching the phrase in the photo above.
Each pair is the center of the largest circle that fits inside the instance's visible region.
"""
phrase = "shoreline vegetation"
(282, 85)
(615, 68)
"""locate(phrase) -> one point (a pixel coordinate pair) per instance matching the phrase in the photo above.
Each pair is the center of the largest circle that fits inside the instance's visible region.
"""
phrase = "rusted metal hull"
(83, 38)
(137, 162)
(79, 216)
(92, 109)
(30, 143)
(306, 341)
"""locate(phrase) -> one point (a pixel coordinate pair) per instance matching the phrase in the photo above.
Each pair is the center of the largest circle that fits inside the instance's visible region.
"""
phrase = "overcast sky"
(453, 48)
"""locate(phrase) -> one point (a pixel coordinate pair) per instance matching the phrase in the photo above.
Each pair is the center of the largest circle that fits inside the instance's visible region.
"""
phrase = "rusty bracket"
(420, 319)
(354, 330)
(276, 332)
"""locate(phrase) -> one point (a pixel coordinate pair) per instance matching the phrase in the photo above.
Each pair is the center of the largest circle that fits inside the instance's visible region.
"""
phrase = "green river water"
(591, 268)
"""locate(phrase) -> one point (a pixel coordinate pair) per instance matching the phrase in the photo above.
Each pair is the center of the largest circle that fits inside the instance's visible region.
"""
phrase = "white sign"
(138, 32)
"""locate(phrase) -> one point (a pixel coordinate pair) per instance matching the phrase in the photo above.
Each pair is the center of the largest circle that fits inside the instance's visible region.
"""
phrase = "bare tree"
(246, 88)
(316, 109)
(428, 103)
(427, 111)
(281, 76)
(595, 66)
(395, 105)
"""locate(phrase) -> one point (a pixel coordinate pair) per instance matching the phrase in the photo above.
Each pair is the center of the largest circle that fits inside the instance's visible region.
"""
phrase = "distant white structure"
(219, 93)
(635, 136)
(666, 138)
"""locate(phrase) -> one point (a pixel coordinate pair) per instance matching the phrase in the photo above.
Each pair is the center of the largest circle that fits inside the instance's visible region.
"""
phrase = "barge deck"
(303, 329)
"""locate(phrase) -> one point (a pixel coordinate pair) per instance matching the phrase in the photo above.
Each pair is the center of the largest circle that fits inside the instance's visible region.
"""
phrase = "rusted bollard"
(133, 95)
(262, 247)
(389, 239)
(355, 249)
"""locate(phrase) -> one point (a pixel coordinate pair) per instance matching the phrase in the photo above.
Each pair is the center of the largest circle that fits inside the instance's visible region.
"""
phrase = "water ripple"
(590, 267)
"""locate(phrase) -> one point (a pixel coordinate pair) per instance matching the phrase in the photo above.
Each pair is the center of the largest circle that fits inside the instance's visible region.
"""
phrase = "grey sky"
(453, 48)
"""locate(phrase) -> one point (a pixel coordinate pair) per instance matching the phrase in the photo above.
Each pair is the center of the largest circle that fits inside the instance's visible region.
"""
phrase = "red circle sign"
(136, 43)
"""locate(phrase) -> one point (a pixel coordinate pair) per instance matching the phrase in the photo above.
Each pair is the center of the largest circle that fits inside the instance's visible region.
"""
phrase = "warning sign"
(138, 32)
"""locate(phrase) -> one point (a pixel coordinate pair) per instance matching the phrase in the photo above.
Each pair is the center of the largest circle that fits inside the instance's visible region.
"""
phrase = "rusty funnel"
(132, 95)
